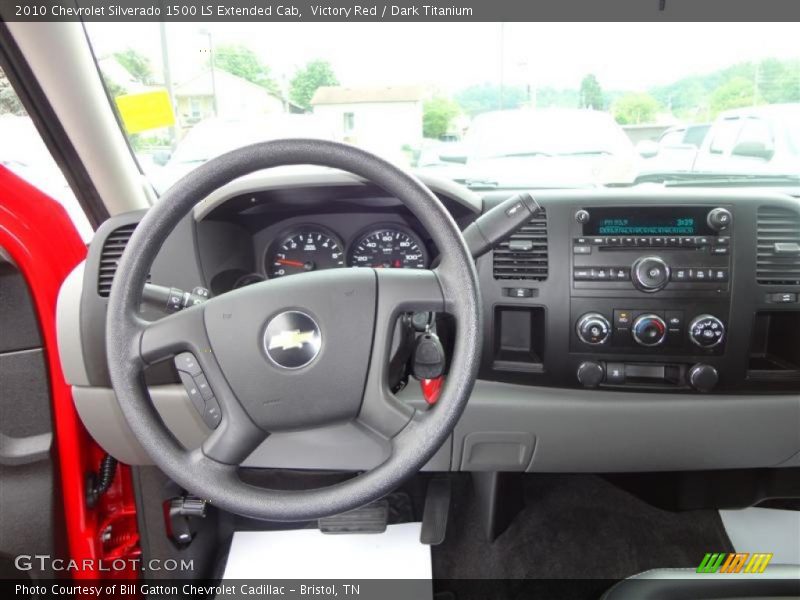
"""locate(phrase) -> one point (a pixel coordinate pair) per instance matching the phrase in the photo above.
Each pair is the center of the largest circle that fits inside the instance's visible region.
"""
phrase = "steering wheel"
(295, 352)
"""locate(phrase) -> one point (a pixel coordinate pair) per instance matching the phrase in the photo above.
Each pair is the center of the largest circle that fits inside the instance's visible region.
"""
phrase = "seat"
(777, 582)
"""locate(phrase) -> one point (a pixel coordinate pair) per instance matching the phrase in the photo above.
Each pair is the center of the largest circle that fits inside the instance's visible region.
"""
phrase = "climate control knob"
(593, 328)
(707, 331)
(649, 330)
(650, 273)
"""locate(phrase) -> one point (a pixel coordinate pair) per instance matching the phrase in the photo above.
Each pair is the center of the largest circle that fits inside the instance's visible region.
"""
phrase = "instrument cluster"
(313, 247)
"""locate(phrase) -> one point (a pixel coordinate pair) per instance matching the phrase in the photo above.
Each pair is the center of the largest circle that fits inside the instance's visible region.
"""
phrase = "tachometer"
(390, 247)
(304, 250)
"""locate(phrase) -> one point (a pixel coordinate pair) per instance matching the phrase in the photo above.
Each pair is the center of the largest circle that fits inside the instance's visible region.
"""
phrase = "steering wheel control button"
(590, 374)
(193, 391)
(707, 331)
(720, 219)
(202, 384)
(593, 328)
(187, 363)
(292, 339)
(650, 274)
(212, 414)
(649, 330)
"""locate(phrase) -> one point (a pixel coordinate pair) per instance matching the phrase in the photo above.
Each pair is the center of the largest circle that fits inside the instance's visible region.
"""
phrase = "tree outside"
(137, 65)
(243, 62)
(635, 108)
(437, 115)
(306, 81)
(9, 101)
(591, 94)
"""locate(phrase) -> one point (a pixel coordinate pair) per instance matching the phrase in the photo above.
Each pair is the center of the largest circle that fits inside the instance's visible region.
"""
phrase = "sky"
(451, 56)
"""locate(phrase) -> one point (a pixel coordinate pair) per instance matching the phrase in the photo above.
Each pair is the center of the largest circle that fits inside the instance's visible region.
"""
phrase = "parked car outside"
(546, 148)
(759, 140)
(675, 149)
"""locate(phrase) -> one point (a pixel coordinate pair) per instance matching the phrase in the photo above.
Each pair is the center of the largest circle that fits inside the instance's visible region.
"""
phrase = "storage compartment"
(774, 351)
(519, 338)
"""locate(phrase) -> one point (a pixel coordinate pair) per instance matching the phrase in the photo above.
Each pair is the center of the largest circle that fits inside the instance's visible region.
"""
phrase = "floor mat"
(575, 526)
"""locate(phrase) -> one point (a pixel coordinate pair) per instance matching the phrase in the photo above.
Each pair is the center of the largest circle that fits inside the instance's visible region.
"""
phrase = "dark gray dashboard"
(529, 410)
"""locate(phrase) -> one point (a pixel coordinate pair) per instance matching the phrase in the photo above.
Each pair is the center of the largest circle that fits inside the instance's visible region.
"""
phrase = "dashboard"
(624, 329)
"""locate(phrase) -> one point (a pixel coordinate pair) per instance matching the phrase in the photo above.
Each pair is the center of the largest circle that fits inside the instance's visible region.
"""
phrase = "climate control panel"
(620, 326)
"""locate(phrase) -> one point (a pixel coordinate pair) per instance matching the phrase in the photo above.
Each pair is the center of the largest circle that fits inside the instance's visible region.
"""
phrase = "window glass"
(23, 151)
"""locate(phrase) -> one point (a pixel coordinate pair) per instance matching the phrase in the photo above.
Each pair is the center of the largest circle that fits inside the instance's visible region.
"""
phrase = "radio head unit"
(649, 221)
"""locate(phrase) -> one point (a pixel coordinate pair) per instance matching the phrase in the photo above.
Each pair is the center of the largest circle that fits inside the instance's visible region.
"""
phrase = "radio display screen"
(648, 221)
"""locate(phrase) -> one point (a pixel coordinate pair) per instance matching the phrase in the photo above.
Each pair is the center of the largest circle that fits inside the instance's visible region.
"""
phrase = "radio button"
(643, 241)
(673, 241)
(598, 241)
(722, 241)
(699, 274)
(680, 274)
(582, 274)
(581, 249)
(629, 241)
(702, 241)
(688, 242)
(719, 250)
(658, 241)
(720, 274)
(600, 274)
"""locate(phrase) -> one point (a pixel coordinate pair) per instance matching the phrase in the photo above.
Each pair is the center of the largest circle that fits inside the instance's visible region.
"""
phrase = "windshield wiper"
(585, 153)
(520, 154)
(699, 179)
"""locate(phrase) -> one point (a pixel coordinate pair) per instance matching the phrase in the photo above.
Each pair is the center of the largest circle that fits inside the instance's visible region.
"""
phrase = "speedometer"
(308, 249)
(390, 247)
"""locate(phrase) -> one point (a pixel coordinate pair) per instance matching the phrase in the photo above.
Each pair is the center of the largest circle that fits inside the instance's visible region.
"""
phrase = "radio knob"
(650, 273)
(719, 219)
(706, 331)
(703, 378)
(593, 328)
(649, 330)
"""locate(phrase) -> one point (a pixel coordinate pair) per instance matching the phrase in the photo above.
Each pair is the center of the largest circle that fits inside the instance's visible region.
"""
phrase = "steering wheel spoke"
(399, 291)
(183, 335)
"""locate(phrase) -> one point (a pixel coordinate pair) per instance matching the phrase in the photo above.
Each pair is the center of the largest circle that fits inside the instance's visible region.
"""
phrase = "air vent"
(777, 260)
(109, 257)
(524, 254)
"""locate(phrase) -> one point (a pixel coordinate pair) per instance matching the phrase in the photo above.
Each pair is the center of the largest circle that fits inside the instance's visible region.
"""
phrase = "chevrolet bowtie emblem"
(285, 340)
(292, 339)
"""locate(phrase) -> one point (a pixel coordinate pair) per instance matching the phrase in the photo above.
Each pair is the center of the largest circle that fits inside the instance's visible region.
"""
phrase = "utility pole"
(167, 78)
(213, 75)
(755, 83)
(502, 61)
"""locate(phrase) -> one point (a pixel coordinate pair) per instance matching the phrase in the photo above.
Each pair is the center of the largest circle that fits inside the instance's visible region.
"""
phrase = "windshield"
(505, 105)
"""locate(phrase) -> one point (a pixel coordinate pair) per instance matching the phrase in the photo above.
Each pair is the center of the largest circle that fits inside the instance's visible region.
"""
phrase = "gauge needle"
(290, 263)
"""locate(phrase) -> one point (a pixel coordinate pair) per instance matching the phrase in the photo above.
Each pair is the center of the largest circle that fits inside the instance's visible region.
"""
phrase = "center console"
(652, 281)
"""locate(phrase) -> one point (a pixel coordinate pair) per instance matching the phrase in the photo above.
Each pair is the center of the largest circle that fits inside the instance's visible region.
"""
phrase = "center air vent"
(778, 256)
(113, 247)
(524, 254)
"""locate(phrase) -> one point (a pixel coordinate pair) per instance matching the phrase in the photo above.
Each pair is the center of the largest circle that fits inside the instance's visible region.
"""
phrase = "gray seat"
(777, 582)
